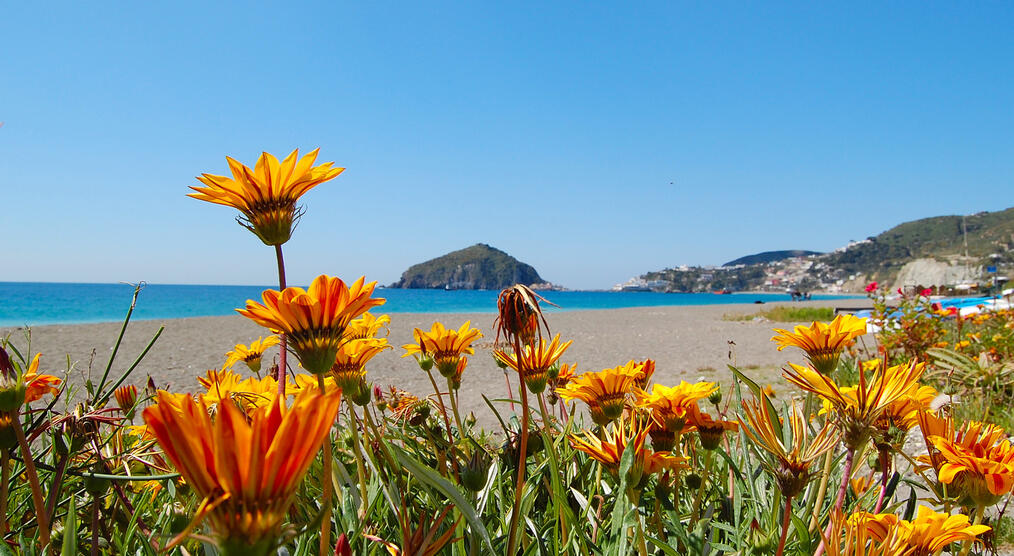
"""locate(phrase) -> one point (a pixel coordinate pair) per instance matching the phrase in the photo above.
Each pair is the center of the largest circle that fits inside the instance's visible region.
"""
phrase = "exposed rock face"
(479, 267)
(931, 272)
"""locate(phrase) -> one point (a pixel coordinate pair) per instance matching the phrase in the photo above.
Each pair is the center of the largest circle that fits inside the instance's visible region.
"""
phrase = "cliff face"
(479, 267)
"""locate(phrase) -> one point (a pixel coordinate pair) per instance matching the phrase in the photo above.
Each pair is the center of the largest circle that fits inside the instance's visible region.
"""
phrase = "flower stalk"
(41, 516)
(328, 459)
(283, 348)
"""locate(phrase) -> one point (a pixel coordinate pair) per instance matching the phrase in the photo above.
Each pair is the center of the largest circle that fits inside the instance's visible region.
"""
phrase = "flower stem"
(512, 539)
(360, 466)
(5, 479)
(41, 517)
(821, 490)
(326, 483)
(978, 521)
(885, 467)
(457, 416)
(447, 423)
(282, 350)
(850, 457)
(786, 517)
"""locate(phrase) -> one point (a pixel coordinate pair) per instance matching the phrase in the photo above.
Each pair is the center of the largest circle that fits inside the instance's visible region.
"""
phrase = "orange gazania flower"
(445, 345)
(605, 392)
(710, 430)
(646, 370)
(535, 363)
(671, 406)
(246, 393)
(928, 534)
(823, 343)
(349, 369)
(267, 195)
(979, 461)
(315, 319)
(620, 436)
(247, 468)
(250, 355)
(790, 465)
(38, 385)
(857, 410)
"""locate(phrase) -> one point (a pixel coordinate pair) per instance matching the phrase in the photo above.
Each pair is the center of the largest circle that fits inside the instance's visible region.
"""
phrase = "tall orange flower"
(349, 369)
(315, 319)
(267, 195)
(247, 468)
(671, 406)
(535, 363)
(38, 385)
(444, 345)
(619, 437)
(823, 343)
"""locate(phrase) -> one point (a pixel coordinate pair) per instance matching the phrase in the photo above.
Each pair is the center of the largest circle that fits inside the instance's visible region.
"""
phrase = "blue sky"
(596, 142)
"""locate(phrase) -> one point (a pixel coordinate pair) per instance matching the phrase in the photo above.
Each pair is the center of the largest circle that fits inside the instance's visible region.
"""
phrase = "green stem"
(5, 480)
(380, 440)
(447, 423)
(283, 348)
(694, 516)
(512, 538)
(821, 490)
(360, 466)
(325, 483)
(979, 512)
(457, 416)
(850, 457)
(41, 517)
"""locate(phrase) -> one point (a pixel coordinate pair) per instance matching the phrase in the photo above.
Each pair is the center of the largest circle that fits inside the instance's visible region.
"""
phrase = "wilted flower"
(421, 540)
(823, 343)
(314, 320)
(519, 314)
(267, 195)
(250, 355)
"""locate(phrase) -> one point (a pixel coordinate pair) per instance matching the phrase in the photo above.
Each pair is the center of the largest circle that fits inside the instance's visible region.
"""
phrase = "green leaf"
(433, 479)
(69, 547)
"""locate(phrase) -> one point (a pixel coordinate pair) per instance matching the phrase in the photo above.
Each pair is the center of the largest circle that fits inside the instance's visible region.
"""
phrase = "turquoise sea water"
(38, 303)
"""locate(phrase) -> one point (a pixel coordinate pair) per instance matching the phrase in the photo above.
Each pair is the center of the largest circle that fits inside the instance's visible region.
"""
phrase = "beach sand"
(687, 342)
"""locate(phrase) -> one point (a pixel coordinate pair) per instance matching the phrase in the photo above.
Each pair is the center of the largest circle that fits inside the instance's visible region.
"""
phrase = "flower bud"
(361, 394)
(425, 362)
(473, 474)
(693, 481)
(716, 397)
(342, 547)
(126, 398)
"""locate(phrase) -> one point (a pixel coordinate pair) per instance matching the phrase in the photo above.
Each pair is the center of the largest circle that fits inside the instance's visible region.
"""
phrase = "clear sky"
(594, 141)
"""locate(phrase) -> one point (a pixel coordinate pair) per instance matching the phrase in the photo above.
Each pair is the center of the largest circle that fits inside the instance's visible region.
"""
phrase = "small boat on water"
(722, 292)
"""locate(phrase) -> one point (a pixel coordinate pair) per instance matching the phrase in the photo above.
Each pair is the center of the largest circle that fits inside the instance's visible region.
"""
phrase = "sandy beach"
(688, 343)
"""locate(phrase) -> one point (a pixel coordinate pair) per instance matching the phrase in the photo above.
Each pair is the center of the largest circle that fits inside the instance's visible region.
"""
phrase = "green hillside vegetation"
(939, 237)
(771, 256)
(479, 267)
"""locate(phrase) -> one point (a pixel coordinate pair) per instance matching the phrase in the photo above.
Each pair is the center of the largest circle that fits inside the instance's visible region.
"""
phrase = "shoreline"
(688, 342)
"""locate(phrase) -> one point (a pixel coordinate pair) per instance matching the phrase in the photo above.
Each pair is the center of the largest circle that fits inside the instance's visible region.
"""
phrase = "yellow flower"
(267, 195)
(979, 461)
(247, 394)
(646, 370)
(367, 326)
(617, 438)
(349, 369)
(445, 345)
(791, 465)
(930, 532)
(872, 364)
(314, 320)
(858, 409)
(671, 406)
(38, 385)
(605, 392)
(823, 343)
(247, 468)
(250, 355)
(902, 415)
(536, 361)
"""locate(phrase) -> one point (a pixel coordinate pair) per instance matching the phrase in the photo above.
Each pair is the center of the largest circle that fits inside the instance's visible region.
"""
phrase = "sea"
(41, 303)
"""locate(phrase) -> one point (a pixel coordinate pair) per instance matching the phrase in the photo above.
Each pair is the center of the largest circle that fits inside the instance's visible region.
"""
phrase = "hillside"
(926, 252)
(941, 238)
(770, 256)
(479, 267)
